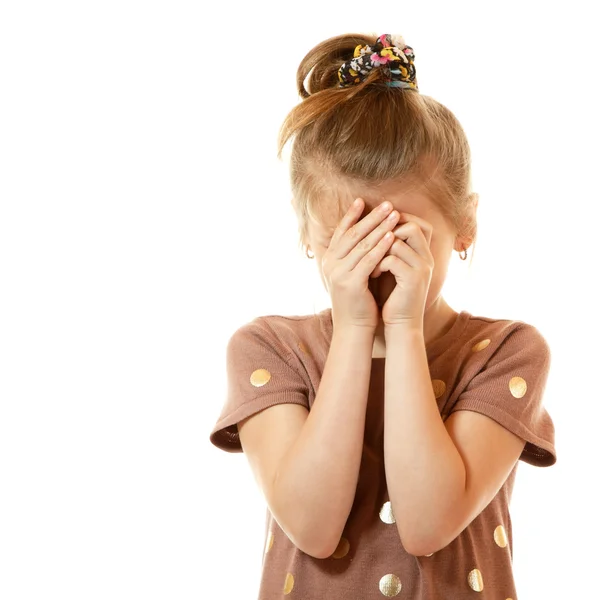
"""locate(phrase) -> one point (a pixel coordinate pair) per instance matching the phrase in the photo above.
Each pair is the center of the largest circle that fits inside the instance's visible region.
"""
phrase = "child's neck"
(438, 320)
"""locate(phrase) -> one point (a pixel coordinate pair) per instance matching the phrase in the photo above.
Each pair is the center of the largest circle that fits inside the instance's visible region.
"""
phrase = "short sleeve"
(509, 388)
(261, 372)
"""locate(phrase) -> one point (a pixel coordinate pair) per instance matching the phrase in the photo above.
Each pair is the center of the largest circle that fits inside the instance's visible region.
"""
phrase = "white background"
(144, 217)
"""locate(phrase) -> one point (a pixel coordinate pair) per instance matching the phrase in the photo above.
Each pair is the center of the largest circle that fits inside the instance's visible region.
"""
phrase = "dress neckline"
(433, 350)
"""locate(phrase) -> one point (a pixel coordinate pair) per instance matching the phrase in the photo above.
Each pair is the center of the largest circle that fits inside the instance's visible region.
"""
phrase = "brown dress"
(495, 367)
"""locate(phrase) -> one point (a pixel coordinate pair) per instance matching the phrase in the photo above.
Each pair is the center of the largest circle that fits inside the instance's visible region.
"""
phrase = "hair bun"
(389, 53)
(318, 70)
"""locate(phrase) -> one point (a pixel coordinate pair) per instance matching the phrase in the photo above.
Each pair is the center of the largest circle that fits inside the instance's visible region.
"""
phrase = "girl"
(384, 432)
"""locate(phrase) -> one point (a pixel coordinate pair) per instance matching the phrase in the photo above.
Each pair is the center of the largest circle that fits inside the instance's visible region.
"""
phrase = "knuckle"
(341, 283)
(426, 267)
(352, 233)
(337, 277)
(363, 245)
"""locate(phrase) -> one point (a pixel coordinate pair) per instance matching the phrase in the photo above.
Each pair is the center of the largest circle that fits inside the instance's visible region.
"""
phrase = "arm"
(307, 463)
(440, 476)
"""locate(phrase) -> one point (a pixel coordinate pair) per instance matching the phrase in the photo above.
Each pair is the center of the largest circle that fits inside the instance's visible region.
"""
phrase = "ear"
(469, 224)
(462, 243)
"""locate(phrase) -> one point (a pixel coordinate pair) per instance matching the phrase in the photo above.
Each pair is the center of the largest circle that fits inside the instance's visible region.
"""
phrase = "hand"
(354, 251)
(411, 262)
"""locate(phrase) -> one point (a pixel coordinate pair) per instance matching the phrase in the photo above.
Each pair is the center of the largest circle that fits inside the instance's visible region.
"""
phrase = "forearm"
(317, 479)
(424, 470)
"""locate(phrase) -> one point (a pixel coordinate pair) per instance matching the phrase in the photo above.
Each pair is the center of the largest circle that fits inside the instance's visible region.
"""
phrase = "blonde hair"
(371, 134)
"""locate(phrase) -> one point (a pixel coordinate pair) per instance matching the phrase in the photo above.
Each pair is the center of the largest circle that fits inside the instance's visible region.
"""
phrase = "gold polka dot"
(439, 387)
(288, 586)
(270, 540)
(342, 549)
(518, 387)
(481, 345)
(302, 347)
(476, 580)
(386, 514)
(260, 377)
(390, 585)
(500, 536)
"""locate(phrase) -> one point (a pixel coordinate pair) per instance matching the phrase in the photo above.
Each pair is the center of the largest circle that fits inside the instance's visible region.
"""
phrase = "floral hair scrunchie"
(390, 52)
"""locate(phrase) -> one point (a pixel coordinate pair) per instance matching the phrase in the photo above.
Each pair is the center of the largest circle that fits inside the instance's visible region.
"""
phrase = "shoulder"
(286, 334)
(501, 335)
(504, 367)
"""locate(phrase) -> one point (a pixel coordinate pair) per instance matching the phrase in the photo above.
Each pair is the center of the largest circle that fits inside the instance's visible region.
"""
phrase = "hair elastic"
(389, 52)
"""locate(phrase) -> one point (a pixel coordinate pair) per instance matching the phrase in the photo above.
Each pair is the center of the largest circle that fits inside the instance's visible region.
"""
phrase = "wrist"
(353, 344)
(354, 332)
(405, 329)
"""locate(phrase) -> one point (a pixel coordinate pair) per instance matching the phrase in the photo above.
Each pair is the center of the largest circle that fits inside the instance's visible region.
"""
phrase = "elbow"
(421, 543)
(314, 541)
(420, 547)
(317, 546)
(424, 535)
(317, 537)
(322, 552)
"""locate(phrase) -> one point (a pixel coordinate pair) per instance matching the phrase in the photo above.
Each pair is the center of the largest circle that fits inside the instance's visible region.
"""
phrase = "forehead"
(332, 207)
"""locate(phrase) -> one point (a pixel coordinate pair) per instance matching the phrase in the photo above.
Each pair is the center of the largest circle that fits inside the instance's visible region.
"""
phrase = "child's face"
(443, 240)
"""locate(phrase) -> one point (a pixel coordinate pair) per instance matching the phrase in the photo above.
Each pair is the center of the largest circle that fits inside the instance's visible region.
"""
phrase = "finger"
(350, 236)
(376, 271)
(411, 234)
(396, 267)
(404, 252)
(352, 215)
(424, 225)
(369, 243)
(401, 250)
(367, 261)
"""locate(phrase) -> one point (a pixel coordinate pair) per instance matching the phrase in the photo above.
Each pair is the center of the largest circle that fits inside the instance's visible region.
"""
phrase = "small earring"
(461, 256)
(308, 255)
